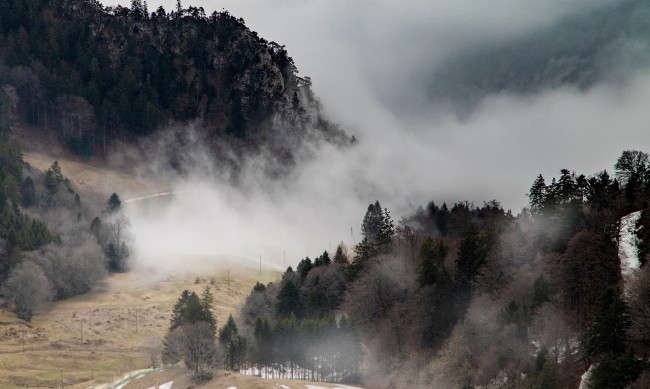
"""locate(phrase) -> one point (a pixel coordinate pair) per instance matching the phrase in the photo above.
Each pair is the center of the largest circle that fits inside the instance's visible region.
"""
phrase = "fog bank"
(450, 101)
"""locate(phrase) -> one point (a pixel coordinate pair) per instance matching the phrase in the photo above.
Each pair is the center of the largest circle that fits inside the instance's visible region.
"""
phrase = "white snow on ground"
(166, 385)
(231, 387)
(284, 386)
(584, 380)
(627, 249)
(337, 386)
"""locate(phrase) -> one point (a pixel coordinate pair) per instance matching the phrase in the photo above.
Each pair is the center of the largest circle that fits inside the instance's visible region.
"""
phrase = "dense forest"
(51, 247)
(468, 296)
(94, 75)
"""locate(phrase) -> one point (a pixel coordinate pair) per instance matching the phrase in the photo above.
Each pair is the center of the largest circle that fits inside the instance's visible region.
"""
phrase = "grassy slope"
(54, 350)
(111, 346)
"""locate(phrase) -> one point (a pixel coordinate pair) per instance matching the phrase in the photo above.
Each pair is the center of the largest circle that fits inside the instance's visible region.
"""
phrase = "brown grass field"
(92, 338)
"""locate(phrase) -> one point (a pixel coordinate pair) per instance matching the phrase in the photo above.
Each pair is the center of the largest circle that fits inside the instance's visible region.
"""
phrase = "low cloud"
(451, 101)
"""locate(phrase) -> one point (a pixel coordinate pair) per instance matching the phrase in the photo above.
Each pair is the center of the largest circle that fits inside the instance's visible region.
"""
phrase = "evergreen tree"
(189, 309)
(339, 256)
(471, 257)
(537, 194)
(289, 300)
(385, 233)
(207, 300)
(442, 220)
(233, 343)
(430, 262)
(304, 266)
(606, 333)
(114, 204)
(566, 186)
(372, 222)
(323, 260)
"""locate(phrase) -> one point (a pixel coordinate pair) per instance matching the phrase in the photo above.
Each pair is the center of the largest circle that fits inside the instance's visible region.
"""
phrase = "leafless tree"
(153, 348)
(76, 114)
(27, 289)
(8, 105)
(72, 266)
(199, 346)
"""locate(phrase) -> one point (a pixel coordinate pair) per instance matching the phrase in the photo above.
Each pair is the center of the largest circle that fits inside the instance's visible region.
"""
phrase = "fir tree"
(430, 262)
(207, 300)
(606, 334)
(372, 222)
(537, 194)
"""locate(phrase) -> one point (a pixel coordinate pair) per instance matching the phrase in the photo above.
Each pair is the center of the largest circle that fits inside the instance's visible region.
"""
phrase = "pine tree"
(289, 300)
(339, 256)
(430, 262)
(537, 194)
(606, 334)
(234, 344)
(566, 186)
(385, 233)
(471, 257)
(207, 300)
(114, 204)
(304, 267)
(371, 222)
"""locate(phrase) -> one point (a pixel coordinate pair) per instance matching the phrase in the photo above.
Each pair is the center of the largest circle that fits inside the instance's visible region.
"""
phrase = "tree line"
(464, 296)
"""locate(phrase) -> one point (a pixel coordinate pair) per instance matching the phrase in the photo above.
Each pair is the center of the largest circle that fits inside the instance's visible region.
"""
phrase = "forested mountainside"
(95, 74)
(467, 296)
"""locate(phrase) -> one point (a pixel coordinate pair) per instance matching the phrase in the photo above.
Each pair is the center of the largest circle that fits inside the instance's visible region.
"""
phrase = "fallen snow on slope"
(627, 249)
(166, 385)
(584, 380)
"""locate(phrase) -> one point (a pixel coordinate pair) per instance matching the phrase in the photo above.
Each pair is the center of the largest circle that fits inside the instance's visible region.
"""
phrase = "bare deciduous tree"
(27, 289)
(153, 348)
(8, 104)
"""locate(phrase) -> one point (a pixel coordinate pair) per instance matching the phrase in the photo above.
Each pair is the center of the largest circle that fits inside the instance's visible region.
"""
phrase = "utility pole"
(352, 235)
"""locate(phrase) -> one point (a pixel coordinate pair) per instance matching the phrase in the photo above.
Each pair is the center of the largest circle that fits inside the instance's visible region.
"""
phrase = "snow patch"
(627, 249)
(231, 387)
(166, 385)
(584, 380)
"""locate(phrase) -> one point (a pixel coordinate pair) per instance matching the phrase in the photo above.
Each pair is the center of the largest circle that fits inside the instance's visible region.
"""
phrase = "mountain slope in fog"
(97, 74)
(578, 50)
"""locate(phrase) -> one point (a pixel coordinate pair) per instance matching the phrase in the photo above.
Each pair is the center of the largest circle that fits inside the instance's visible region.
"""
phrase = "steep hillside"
(95, 74)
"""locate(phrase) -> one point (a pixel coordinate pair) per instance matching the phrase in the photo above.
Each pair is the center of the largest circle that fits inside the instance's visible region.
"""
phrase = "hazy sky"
(455, 100)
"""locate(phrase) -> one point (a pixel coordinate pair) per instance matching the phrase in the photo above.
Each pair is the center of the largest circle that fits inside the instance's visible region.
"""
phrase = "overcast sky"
(461, 99)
